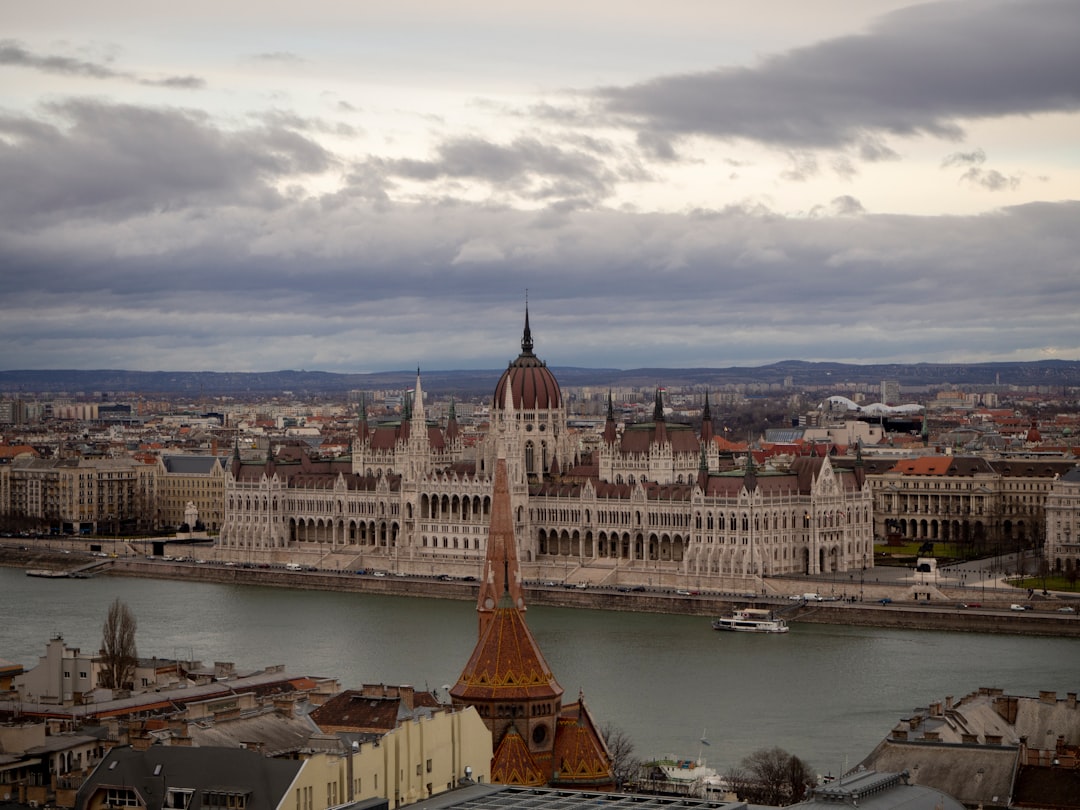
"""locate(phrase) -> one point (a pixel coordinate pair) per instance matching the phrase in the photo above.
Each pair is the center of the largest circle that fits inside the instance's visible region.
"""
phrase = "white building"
(654, 501)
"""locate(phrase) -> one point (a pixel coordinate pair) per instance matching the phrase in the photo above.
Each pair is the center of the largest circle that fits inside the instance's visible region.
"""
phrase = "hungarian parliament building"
(652, 502)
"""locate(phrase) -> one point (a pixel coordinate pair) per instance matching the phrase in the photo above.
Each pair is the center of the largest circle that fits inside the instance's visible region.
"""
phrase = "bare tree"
(771, 776)
(118, 654)
(625, 767)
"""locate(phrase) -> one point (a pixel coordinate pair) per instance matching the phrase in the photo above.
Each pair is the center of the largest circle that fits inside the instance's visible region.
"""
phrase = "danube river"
(828, 694)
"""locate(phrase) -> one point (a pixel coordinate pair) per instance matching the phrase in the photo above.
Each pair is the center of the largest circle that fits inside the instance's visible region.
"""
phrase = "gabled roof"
(263, 781)
(581, 757)
(513, 764)
(506, 664)
(354, 710)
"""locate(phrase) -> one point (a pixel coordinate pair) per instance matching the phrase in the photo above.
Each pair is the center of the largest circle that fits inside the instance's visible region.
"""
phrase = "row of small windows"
(449, 543)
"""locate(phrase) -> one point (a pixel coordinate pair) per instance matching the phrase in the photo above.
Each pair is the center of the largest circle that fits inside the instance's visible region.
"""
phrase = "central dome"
(533, 387)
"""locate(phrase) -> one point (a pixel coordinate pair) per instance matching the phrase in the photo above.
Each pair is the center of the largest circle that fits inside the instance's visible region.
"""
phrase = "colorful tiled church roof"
(581, 757)
(513, 763)
(506, 663)
(513, 687)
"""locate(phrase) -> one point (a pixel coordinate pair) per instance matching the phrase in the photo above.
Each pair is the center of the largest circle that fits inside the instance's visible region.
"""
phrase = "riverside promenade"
(893, 600)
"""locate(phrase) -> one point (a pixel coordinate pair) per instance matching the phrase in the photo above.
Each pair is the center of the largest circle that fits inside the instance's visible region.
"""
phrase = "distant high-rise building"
(890, 392)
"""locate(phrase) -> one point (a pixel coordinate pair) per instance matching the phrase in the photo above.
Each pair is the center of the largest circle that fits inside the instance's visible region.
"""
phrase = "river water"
(826, 693)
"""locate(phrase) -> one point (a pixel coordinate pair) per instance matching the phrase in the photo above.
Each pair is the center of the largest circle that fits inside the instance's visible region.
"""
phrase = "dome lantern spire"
(526, 337)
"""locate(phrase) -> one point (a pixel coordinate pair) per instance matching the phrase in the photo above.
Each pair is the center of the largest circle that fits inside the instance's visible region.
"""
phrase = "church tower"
(536, 740)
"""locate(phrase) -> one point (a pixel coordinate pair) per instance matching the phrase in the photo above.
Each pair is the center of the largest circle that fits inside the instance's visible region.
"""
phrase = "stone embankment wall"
(993, 617)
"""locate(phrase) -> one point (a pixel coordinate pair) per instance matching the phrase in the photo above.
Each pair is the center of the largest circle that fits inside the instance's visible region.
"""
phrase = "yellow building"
(195, 480)
(420, 758)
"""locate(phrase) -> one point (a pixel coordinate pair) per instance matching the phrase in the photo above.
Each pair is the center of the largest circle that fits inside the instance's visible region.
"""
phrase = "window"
(177, 798)
(121, 797)
(224, 799)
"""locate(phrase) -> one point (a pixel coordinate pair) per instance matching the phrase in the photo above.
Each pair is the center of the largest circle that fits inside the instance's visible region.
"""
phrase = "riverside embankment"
(946, 613)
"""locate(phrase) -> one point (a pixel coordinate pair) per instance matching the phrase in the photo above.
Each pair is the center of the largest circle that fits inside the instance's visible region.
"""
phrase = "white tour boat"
(751, 620)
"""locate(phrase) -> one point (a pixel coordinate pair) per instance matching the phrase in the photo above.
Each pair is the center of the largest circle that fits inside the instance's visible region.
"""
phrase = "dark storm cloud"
(346, 285)
(93, 158)
(14, 54)
(919, 70)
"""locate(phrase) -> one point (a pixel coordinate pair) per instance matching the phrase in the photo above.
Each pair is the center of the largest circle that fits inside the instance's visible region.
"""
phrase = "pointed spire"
(526, 337)
(418, 399)
(750, 476)
(452, 430)
(508, 399)
(361, 413)
(706, 421)
(659, 423)
(860, 467)
(703, 470)
(609, 426)
(501, 571)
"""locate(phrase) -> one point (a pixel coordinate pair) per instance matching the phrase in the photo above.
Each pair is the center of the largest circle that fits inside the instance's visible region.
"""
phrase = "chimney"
(1047, 697)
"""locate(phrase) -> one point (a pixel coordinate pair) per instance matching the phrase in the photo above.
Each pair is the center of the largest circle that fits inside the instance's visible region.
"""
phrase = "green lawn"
(942, 551)
(1053, 583)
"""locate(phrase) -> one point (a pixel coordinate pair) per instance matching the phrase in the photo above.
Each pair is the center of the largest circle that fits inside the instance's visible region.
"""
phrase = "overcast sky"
(358, 186)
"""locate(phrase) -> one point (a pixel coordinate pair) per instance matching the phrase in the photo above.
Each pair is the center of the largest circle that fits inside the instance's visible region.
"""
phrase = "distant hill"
(481, 382)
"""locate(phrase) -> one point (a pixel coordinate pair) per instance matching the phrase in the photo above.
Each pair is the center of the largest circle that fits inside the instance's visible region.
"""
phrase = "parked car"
(971, 605)
(1019, 607)
(885, 601)
(1066, 609)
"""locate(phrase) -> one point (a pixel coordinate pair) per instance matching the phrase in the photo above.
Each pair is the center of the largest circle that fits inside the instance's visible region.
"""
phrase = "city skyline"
(353, 189)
